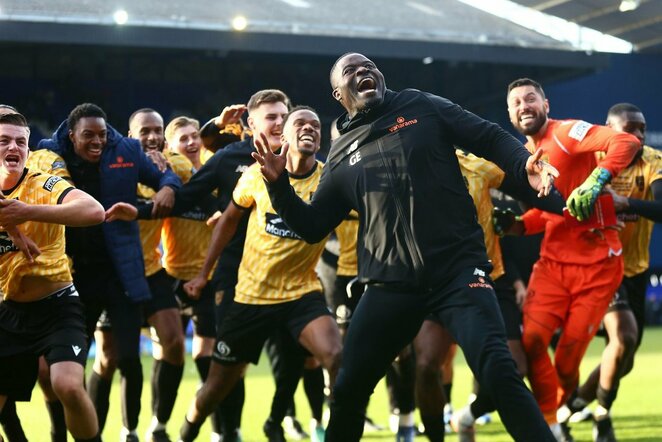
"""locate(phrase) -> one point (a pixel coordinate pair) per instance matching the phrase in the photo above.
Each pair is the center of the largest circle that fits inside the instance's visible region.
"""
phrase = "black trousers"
(387, 319)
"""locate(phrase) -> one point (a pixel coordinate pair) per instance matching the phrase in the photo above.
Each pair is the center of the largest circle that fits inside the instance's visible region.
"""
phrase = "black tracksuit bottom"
(389, 318)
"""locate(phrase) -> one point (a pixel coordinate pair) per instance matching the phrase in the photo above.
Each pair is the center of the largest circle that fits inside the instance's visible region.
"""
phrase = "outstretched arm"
(223, 232)
(651, 210)
(77, 209)
(314, 221)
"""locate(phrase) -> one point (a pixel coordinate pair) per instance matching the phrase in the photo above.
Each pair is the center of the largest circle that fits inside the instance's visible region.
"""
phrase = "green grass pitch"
(637, 413)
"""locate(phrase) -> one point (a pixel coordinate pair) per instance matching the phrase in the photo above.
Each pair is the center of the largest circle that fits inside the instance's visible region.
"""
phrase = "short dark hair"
(526, 82)
(15, 119)
(622, 108)
(267, 96)
(335, 63)
(144, 110)
(298, 108)
(82, 111)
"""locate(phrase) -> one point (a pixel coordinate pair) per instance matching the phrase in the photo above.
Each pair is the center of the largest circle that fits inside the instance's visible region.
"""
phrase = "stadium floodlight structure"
(239, 23)
(629, 5)
(120, 16)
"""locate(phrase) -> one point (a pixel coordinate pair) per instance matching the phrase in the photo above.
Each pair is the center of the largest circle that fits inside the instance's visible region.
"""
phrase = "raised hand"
(158, 158)
(541, 174)
(273, 165)
(230, 115)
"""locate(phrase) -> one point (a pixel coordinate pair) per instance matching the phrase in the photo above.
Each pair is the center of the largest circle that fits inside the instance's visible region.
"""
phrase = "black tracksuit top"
(396, 166)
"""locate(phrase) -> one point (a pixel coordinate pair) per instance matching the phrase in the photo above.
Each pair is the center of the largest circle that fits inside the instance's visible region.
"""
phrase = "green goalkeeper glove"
(581, 200)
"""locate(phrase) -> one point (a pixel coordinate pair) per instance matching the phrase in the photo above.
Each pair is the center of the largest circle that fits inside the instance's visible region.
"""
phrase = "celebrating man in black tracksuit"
(422, 250)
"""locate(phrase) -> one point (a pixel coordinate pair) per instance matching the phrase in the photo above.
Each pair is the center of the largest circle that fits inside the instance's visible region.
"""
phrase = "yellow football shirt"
(35, 187)
(480, 176)
(184, 239)
(49, 162)
(347, 234)
(634, 182)
(277, 265)
(150, 230)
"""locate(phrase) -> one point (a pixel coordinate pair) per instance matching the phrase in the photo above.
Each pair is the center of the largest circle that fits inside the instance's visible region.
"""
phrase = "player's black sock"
(434, 427)
(58, 424)
(166, 378)
(202, 363)
(313, 384)
(132, 386)
(606, 397)
(99, 390)
(189, 430)
(232, 407)
(10, 422)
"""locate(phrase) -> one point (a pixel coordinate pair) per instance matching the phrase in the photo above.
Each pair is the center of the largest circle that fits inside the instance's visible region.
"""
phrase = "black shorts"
(246, 327)
(101, 289)
(53, 327)
(162, 287)
(510, 311)
(631, 295)
(200, 310)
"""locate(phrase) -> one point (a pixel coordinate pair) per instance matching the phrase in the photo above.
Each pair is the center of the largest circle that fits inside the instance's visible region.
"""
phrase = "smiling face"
(527, 110)
(186, 141)
(357, 83)
(13, 149)
(303, 132)
(147, 127)
(89, 137)
(267, 119)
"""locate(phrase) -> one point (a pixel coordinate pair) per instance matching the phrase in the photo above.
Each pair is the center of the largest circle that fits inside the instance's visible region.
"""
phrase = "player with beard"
(395, 164)
(637, 192)
(277, 284)
(579, 269)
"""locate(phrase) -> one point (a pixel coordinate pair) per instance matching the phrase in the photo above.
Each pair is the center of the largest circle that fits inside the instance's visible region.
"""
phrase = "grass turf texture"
(637, 413)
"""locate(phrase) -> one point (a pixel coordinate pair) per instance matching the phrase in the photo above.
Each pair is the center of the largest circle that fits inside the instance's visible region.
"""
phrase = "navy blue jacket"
(122, 166)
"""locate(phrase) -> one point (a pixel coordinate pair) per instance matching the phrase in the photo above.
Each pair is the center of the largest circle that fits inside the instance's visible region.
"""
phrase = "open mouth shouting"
(12, 160)
(366, 85)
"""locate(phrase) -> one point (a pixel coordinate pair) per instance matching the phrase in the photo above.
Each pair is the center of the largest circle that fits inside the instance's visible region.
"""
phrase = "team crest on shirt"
(275, 226)
(6, 244)
(639, 181)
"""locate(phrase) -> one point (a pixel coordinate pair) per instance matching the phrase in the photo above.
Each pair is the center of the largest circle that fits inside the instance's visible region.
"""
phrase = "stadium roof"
(438, 29)
(642, 26)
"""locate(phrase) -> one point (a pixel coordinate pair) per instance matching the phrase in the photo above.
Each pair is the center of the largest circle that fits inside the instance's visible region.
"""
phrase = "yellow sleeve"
(51, 189)
(49, 162)
(181, 165)
(493, 175)
(244, 191)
